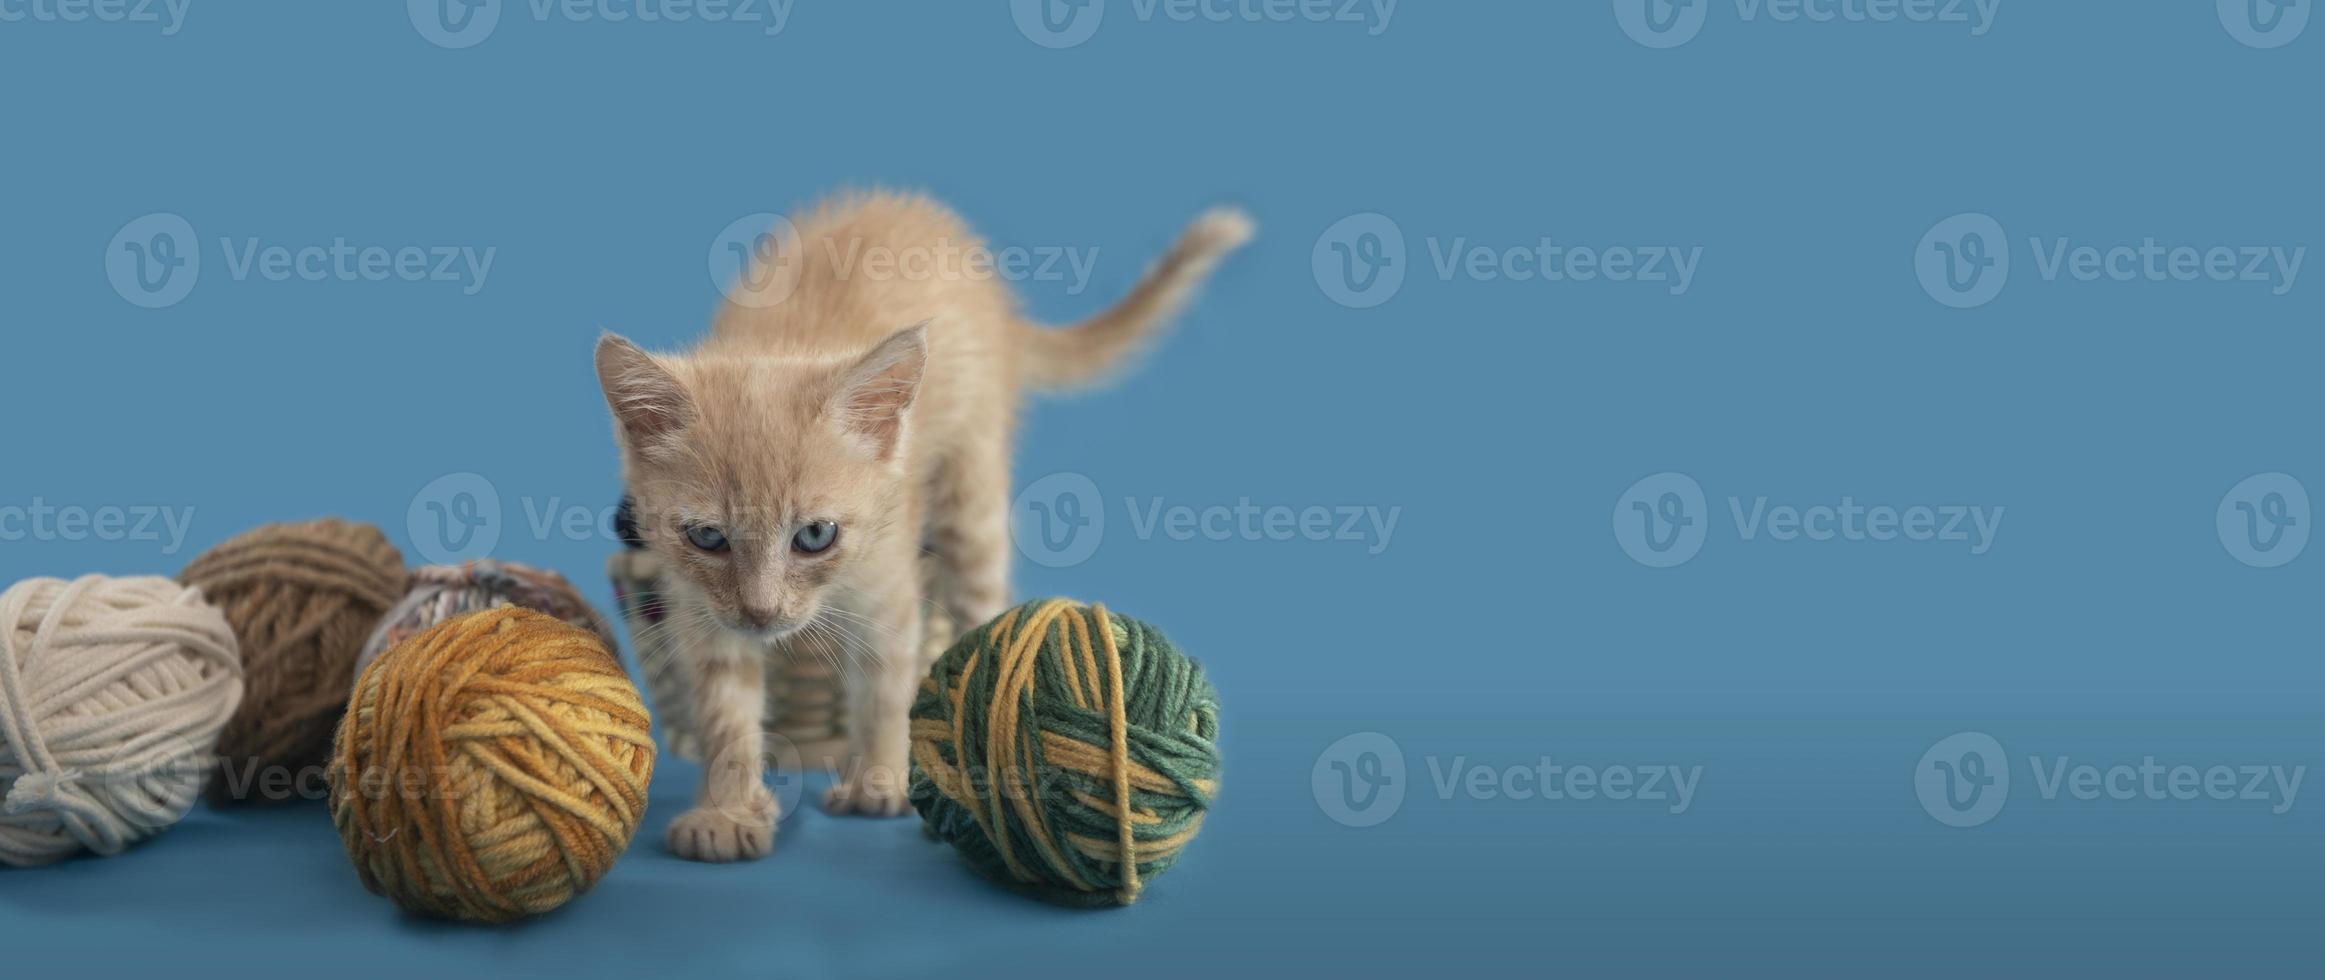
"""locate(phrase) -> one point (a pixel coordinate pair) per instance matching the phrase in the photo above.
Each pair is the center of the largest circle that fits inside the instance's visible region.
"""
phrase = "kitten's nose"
(760, 617)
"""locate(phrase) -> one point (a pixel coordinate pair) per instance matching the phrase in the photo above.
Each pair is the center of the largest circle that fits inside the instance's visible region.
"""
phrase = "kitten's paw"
(720, 834)
(866, 798)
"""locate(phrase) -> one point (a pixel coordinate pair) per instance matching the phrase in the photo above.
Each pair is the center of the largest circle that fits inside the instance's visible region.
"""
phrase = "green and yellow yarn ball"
(1032, 733)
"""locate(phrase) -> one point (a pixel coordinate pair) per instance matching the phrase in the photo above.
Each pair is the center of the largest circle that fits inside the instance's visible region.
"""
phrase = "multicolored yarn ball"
(112, 695)
(1066, 750)
(302, 599)
(492, 767)
(443, 592)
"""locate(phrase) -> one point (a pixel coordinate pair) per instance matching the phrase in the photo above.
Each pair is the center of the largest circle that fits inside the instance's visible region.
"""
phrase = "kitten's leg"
(734, 814)
(884, 672)
(968, 523)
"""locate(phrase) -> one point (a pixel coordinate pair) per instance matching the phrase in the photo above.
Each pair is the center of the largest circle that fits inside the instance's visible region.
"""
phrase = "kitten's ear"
(647, 400)
(874, 394)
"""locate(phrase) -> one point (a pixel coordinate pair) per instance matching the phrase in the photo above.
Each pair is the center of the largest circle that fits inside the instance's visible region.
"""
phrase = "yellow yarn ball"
(491, 768)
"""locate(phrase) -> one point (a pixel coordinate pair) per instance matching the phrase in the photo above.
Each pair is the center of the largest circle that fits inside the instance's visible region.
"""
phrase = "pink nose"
(760, 617)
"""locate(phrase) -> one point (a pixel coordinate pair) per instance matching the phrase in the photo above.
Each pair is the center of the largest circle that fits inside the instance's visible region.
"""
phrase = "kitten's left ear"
(874, 394)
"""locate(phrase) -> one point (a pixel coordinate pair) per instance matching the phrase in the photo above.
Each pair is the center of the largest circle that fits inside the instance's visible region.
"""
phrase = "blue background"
(1500, 625)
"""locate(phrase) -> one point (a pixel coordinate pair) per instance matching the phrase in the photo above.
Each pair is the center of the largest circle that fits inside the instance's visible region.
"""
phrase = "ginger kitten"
(792, 469)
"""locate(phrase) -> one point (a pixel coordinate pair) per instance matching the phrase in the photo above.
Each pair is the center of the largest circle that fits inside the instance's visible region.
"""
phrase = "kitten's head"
(762, 482)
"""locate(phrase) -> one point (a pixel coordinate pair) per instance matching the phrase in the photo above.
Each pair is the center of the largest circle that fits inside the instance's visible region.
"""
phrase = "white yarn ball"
(112, 693)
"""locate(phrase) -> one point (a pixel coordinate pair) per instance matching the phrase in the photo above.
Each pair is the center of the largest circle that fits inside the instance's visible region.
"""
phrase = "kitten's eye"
(706, 537)
(815, 538)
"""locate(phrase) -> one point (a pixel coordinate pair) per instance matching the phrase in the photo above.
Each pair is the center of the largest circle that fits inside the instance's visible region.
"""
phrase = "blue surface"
(1501, 624)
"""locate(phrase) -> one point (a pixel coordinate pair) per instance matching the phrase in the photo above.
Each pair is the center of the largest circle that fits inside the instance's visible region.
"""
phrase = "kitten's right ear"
(647, 400)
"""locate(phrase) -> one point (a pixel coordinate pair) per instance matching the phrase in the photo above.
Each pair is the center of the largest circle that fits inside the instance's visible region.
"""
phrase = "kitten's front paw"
(866, 798)
(721, 834)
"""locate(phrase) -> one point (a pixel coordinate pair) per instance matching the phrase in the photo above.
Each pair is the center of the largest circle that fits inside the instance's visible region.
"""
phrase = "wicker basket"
(805, 701)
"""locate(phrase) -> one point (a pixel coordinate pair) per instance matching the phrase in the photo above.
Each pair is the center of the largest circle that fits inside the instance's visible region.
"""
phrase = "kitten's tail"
(1088, 351)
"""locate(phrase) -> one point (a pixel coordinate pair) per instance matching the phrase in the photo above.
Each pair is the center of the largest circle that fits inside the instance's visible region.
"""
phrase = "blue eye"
(815, 538)
(706, 537)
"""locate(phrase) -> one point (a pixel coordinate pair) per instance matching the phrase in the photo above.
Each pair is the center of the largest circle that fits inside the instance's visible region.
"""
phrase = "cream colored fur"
(884, 404)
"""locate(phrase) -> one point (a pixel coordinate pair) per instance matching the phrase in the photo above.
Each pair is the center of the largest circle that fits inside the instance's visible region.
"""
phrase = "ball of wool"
(491, 768)
(1066, 750)
(443, 592)
(112, 695)
(302, 599)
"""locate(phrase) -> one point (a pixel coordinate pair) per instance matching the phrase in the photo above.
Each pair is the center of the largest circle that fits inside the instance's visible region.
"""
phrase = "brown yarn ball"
(302, 598)
(492, 767)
